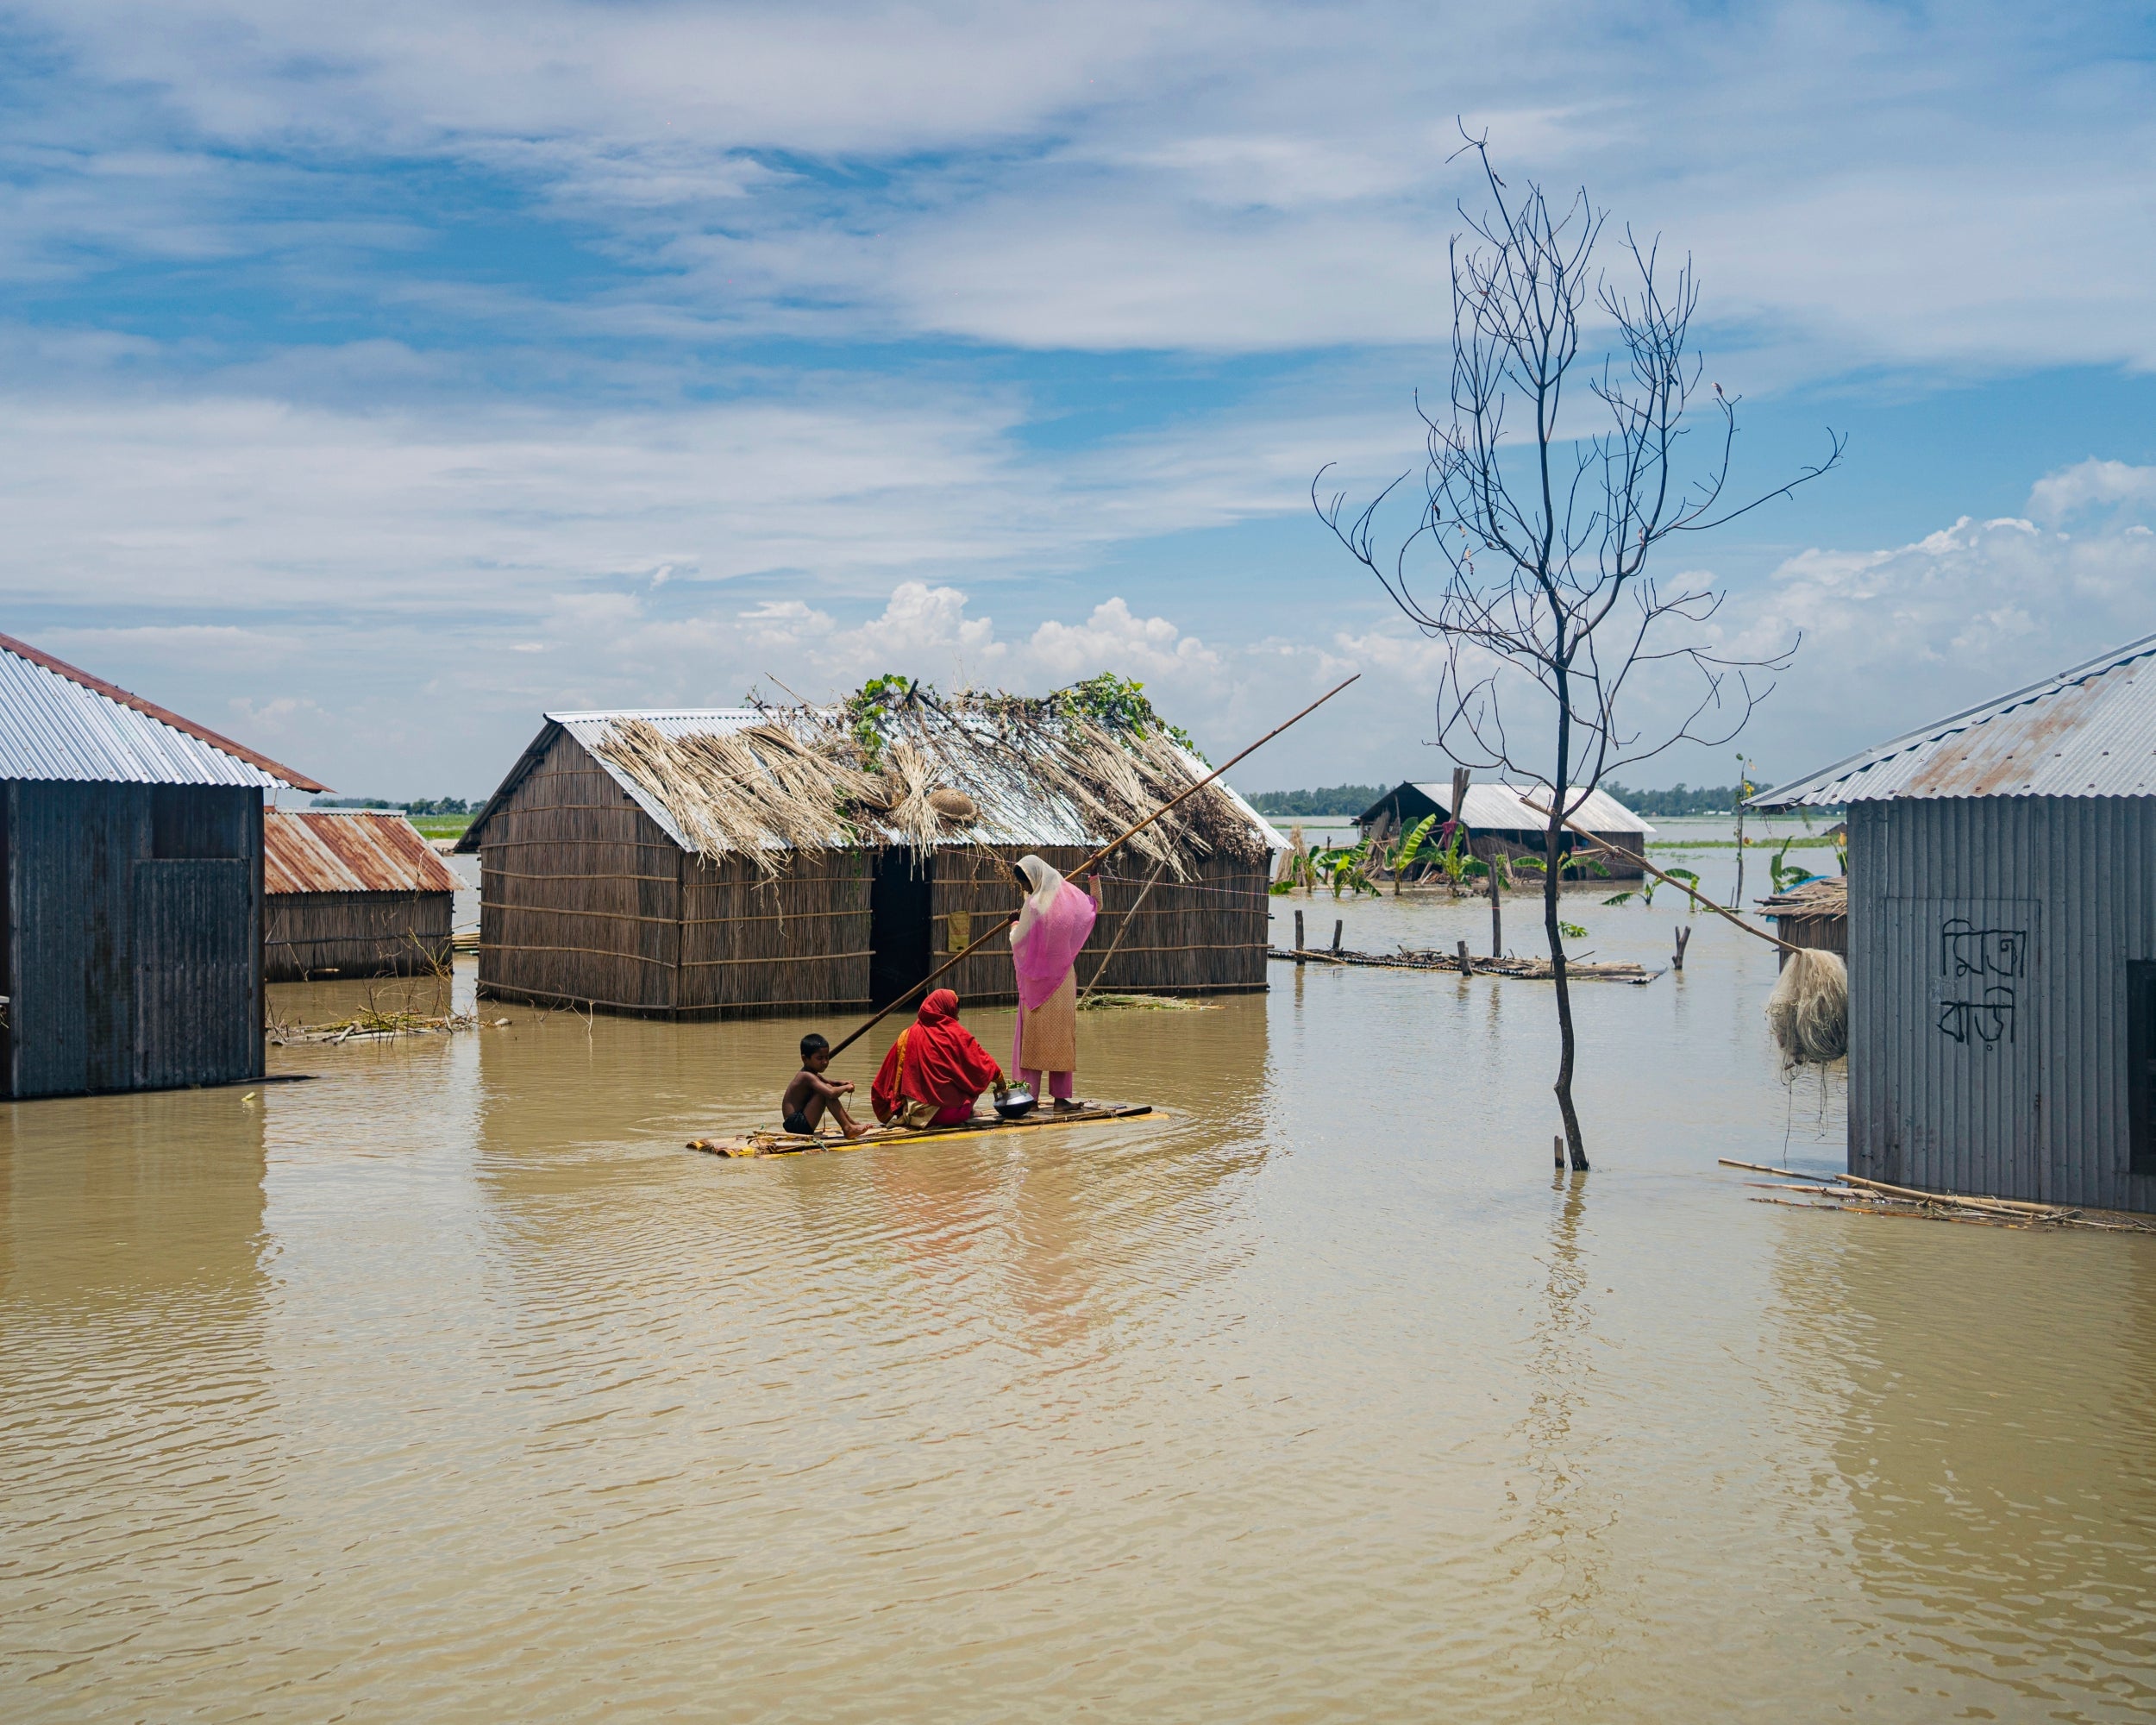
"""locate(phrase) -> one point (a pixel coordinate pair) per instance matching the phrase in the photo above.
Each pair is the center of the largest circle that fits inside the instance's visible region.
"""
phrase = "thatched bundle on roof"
(990, 770)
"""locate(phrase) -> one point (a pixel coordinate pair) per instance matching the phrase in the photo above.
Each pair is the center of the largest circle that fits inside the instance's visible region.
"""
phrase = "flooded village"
(387, 1364)
(1236, 867)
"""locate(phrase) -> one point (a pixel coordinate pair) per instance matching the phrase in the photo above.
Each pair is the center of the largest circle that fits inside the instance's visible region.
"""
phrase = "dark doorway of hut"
(901, 924)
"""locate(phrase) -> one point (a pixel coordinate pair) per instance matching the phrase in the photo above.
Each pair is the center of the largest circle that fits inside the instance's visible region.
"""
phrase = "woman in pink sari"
(1044, 946)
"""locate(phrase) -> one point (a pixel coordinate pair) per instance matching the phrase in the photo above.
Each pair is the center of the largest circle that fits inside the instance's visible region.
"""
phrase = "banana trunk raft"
(769, 1142)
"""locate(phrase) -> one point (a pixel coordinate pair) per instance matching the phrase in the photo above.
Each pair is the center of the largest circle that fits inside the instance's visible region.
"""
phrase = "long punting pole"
(1090, 863)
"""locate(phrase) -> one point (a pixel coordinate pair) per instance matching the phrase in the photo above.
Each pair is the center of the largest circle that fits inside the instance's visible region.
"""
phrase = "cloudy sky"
(377, 377)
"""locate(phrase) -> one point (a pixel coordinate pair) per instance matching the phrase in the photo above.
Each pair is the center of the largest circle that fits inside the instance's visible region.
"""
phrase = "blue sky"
(375, 382)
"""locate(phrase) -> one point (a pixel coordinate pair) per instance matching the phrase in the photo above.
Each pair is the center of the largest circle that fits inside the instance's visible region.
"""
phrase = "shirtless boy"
(802, 1106)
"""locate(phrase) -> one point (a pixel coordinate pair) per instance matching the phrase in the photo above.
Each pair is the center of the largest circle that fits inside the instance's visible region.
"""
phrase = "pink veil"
(1051, 929)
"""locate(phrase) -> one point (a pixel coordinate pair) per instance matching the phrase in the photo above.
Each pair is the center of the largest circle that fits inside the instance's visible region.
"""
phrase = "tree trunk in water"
(1552, 878)
(1497, 908)
(1566, 1041)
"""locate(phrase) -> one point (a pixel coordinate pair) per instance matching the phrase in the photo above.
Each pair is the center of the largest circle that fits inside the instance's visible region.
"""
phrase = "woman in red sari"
(935, 1070)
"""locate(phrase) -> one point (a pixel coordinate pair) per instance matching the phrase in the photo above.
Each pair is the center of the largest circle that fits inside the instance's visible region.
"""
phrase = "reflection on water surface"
(448, 1385)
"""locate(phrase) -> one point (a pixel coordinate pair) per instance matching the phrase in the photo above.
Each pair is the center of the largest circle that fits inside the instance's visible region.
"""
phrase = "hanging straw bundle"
(1809, 1010)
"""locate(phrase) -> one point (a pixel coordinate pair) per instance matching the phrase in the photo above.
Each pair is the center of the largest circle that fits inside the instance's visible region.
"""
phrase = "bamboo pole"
(1912, 1193)
(1116, 945)
(1092, 861)
(1691, 893)
(2010, 1206)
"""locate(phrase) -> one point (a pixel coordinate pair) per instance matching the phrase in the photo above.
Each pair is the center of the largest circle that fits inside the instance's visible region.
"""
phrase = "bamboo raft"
(1854, 1194)
(1525, 969)
(769, 1142)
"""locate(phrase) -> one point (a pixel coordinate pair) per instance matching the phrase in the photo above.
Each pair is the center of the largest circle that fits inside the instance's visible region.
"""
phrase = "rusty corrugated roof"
(2090, 731)
(314, 851)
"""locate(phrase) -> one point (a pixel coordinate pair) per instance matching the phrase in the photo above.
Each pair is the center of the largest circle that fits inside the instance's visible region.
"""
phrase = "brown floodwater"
(449, 1386)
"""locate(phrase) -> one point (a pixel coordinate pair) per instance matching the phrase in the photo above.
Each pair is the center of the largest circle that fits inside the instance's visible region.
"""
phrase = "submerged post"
(1298, 936)
(1683, 935)
(1338, 925)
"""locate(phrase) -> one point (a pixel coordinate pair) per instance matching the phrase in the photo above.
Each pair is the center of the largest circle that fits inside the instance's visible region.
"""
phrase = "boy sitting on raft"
(811, 1093)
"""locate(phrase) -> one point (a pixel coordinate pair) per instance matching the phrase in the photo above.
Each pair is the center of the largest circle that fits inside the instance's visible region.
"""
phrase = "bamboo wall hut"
(1498, 819)
(352, 892)
(131, 854)
(2002, 942)
(746, 860)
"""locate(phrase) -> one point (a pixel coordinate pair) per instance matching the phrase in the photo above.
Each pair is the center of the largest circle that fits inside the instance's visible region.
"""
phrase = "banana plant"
(1408, 852)
(1297, 869)
(1689, 881)
(1787, 874)
(1643, 892)
(1346, 868)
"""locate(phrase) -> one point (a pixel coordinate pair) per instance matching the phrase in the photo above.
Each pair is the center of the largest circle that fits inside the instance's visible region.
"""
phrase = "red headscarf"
(935, 1059)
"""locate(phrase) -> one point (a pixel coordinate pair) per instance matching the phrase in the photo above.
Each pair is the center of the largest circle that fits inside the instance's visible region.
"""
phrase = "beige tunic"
(1051, 1036)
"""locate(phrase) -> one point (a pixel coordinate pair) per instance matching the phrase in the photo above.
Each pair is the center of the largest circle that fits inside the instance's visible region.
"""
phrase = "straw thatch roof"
(977, 770)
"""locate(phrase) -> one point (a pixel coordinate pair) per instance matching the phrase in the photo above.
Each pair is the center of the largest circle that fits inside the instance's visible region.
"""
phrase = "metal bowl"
(1017, 1102)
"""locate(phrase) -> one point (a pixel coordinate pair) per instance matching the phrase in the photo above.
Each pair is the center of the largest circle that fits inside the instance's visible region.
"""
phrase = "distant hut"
(132, 844)
(1498, 817)
(352, 892)
(1813, 913)
(745, 860)
(2002, 942)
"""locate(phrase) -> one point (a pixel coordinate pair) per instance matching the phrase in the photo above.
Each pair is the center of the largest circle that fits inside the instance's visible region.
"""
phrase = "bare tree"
(1529, 556)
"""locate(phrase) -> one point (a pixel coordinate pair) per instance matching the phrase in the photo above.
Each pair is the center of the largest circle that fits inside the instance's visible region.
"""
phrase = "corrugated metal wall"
(134, 936)
(1989, 939)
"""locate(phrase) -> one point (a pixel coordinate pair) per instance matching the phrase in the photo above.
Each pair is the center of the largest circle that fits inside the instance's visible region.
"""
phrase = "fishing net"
(1809, 1010)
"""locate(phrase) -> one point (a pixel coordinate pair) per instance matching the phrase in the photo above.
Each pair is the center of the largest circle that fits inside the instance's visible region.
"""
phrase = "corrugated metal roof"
(320, 850)
(2090, 731)
(56, 722)
(1503, 808)
(1044, 819)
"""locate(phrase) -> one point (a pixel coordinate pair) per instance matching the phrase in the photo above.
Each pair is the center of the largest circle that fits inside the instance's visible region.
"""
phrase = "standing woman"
(1051, 927)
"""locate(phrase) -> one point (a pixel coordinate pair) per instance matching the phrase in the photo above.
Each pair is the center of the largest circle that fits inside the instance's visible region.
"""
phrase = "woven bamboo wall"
(579, 893)
(1207, 936)
(354, 934)
(756, 944)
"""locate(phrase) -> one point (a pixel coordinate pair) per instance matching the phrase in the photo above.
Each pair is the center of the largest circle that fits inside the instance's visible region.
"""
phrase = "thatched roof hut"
(737, 861)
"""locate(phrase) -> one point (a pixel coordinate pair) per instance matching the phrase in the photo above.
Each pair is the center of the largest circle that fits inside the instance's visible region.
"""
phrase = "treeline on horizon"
(1340, 800)
(417, 806)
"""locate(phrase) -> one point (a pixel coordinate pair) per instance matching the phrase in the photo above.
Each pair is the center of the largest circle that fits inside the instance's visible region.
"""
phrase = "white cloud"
(1893, 638)
(2091, 485)
(1199, 176)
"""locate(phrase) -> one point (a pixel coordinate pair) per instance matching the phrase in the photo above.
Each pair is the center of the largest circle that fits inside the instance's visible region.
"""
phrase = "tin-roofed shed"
(2002, 941)
(352, 892)
(737, 861)
(1501, 817)
(131, 848)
